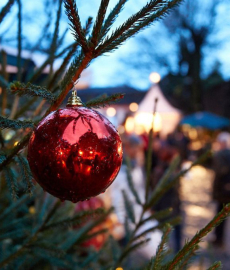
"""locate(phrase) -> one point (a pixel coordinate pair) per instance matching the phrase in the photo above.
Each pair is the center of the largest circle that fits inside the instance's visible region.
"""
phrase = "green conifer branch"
(215, 266)
(103, 101)
(6, 9)
(15, 124)
(166, 183)
(11, 181)
(158, 215)
(29, 89)
(111, 18)
(130, 181)
(99, 21)
(130, 249)
(53, 46)
(128, 207)
(158, 260)
(186, 260)
(149, 13)
(76, 220)
(172, 221)
(72, 13)
(15, 150)
(25, 173)
(198, 237)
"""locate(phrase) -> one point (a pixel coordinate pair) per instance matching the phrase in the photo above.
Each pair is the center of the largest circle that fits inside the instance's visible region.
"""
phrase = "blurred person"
(221, 184)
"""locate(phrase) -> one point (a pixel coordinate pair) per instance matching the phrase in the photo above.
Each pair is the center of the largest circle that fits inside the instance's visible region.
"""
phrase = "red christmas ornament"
(75, 153)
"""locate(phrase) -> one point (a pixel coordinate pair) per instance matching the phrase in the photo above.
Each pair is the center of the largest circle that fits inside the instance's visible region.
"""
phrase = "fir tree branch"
(166, 183)
(172, 221)
(152, 11)
(198, 237)
(103, 101)
(14, 205)
(158, 215)
(31, 90)
(88, 25)
(130, 181)
(15, 124)
(72, 13)
(130, 249)
(99, 21)
(15, 150)
(128, 207)
(6, 9)
(76, 220)
(215, 266)
(185, 261)
(26, 174)
(161, 248)
(111, 18)
(11, 182)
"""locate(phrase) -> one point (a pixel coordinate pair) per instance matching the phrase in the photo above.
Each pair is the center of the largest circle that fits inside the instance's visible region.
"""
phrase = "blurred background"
(183, 62)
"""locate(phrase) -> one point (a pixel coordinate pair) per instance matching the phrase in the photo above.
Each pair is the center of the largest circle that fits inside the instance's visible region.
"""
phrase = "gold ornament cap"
(74, 100)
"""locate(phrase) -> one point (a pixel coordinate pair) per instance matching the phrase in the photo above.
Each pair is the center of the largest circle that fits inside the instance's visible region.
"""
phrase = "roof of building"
(131, 94)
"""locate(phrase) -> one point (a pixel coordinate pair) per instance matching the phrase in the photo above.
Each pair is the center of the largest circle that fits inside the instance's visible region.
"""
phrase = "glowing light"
(119, 268)
(154, 77)
(80, 152)
(133, 107)
(61, 153)
(16, 143)
(146, 121)
(121, 129)
(129, 124)
(111, 111)
(91, 152)
(119, 149)
(32, 210)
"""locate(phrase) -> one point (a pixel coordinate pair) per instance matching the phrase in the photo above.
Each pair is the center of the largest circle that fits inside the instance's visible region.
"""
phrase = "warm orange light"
(91, 152)
(154, 77)
(80, 152)
(111, 111)
(147, 121)
(16, 143)
(119, 268)
(133, 107)
(129, 124)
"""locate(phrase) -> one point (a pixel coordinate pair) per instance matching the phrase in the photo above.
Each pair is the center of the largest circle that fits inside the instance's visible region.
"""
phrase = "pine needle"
(11, 182)
(198, 237)
(104, 101)
(31, 90)
(128, 207)
(25, 173)
(112, 17)
(15, 124)
(75, 23)
(158, 260)
(130, 181)
(215, 266)
(99, 21)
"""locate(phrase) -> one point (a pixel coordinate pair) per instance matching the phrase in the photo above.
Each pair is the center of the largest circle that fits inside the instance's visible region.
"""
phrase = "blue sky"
(110, 70)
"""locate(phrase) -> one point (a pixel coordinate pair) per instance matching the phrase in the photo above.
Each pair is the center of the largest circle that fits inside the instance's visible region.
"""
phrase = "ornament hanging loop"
(74, 100)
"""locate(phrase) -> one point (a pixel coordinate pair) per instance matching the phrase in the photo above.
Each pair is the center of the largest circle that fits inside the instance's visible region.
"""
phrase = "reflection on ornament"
(75, 153)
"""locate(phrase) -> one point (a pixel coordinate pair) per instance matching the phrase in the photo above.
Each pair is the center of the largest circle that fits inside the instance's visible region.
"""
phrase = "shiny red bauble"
(75, 153)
